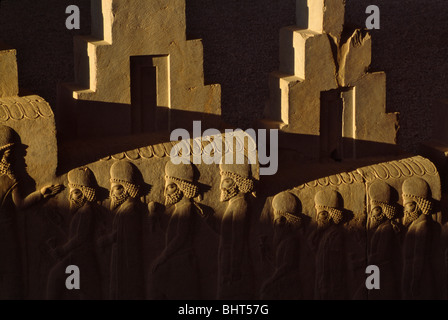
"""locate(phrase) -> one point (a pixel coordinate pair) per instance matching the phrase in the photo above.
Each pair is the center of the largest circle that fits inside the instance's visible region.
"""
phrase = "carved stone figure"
(284, 284)
(418, 280)
(11, 198)
(235, 274)
(175, 273)
(79, 250)
(126, 273)
(329, 243)
(384, 248)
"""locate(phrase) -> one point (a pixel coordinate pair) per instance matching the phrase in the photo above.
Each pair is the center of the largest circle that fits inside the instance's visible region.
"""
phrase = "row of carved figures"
(407, 247)
(174, 273)
(108, 245)
(312, 260)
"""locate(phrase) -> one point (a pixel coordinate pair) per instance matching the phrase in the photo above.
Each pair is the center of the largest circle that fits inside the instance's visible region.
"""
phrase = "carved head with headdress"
(235, 179)
(179, 182)
(287, 210)
(416, 199)
(327, 208)
(123, 181)
(7, 141)
(82, 184)
(380, 202)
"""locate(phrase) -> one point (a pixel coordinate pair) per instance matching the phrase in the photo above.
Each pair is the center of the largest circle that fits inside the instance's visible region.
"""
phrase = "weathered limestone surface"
(323, 82)
(307, 55)
(355, 57)
(366, 238)
(139, 226)
(366, 104)
(32, 119)
(325, 16)
(106, 64)
(9, 85)
(436, 148)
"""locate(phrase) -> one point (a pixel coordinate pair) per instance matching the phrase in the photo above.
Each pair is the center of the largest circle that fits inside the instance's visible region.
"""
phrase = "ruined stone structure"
(137, 66)
(111, 200)
(323, 91)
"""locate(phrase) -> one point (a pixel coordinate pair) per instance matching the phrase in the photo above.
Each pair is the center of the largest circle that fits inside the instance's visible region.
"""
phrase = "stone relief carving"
(324, 232)
(175, 273)
(126, 239)
(30, 108)
(328, 239)
(80, 248)
(374, 226)
(419, 246)
(394, 203)
(12, 200)
(235, 274)
(288, 239)
(154, 243)
(384, 240)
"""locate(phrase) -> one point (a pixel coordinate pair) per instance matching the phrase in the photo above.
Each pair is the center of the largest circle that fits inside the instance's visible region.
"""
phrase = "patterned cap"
(182, 171)
(183, 175)
(286, 202)
(328, 200)
(417, 189)
(84, 180)
(6, 137)
(380, 195)
(124, 173)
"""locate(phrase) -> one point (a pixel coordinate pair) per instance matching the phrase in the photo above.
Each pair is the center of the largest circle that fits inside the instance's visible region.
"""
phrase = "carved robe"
(80, 251)
(285, 283)
(331, 265)
(177, 276)
(11, 285)
(127, 277)
(385, 252)
(235, 264)
(418, 280)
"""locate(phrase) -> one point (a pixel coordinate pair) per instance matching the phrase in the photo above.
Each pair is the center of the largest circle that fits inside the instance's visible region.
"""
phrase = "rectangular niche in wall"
(331, 124)
(150, 93)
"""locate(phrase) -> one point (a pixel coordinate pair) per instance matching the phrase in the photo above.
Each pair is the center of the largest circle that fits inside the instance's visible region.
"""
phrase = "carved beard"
(117, 201)
(77, 204)
(375, 222)
(323, 224)
(171, 199)
(229, 193)
(5, 168)
(409, 217)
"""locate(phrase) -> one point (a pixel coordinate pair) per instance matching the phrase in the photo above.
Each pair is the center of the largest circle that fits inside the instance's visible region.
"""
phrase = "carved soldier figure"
(175, 273)
(126, 274)
(285, 282)
(235, 264)
(418, 280)
(11, 200)
(79, 250)
(384, 241)
(331, 262)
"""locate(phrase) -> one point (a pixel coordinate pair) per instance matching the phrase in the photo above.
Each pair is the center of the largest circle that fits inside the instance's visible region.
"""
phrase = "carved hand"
(152, 209)
(52, 190)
